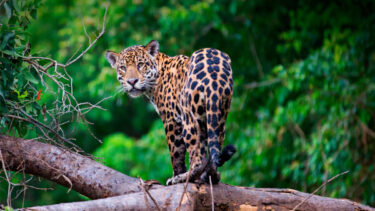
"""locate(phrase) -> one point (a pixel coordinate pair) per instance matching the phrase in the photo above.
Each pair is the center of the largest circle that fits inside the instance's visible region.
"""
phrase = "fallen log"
(66, 168)
(225, 197)
(116, 191)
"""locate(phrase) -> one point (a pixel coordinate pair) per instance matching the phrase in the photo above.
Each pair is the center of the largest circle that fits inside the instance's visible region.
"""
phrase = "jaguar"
(192, 96)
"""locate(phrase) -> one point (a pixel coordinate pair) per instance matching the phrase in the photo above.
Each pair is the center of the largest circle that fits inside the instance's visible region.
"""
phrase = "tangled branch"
(59, 83)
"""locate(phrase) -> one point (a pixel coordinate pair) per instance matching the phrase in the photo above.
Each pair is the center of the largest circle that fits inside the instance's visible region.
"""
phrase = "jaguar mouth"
(134, 92)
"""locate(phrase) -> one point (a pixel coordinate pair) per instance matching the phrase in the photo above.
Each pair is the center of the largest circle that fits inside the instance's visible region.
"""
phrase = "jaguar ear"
(112, 58)
(152, 48)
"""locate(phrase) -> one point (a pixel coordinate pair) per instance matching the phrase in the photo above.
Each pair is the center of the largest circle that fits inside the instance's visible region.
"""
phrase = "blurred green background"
(304, 94)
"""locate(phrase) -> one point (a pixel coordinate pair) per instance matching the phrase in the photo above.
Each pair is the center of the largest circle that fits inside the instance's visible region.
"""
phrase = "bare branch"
(255, 84)
(323, 185)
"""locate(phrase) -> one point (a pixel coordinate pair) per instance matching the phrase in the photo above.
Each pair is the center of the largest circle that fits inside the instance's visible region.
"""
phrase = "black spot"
(226, 66)
(196, 98)
(201, 75)
(198, 68)
(216, 60)
(188, 136)
(214, 121)
(193, 141)
(214, 144)
(208, 91)
(210, 61)
(214, 85)
(187, 145)
(210, 69)
(214, 98)
(208, 55)
(220, 91)
(222, 82)
(203, 151)
(200, 110)
(198, 51)
(178, 143)
(193, 130)
(170, 127)
(214, 52)
(200, 88)
(216, 68)
(213, 108)
(176, 155)
(171, 138)
(226, 72)
(206, 81)
(219, 129)
(211, 134)
(214, 76)
(193, 85)
(224, 76)
(227, 91)
(224, 55)
(199, 58)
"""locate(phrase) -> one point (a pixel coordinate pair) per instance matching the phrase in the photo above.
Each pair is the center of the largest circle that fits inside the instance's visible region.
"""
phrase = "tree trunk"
(121, 192)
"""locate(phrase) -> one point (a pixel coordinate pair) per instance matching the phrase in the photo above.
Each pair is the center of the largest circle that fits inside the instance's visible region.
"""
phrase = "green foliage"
(309, 116)
(138, 157)
(18, 84)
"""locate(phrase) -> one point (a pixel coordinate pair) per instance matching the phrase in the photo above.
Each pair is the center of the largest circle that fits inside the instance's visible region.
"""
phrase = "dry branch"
(64, 167)
(94, 180)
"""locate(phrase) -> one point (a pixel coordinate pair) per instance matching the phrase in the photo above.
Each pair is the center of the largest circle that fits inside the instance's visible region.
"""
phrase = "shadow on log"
(116, 191)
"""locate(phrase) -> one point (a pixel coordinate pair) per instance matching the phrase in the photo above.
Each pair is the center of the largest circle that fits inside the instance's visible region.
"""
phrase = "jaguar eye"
(122, 68)
(141, 64)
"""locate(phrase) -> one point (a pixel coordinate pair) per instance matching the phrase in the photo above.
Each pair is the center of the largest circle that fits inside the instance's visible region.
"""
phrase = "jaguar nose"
(132, 81)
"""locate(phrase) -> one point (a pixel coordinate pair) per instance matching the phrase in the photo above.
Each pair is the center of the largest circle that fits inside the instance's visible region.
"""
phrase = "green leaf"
(15, 5)
(7, 36)
(30, 77)
(23, 95)
(8, 10)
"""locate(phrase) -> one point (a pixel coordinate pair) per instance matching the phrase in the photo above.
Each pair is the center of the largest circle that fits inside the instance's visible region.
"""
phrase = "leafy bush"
(147, 157)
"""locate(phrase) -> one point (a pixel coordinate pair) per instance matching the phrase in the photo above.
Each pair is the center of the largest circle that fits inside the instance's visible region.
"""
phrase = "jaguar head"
(136, 67)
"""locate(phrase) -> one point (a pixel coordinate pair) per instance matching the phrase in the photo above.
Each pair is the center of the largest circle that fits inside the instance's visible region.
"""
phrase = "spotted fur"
(192, 96)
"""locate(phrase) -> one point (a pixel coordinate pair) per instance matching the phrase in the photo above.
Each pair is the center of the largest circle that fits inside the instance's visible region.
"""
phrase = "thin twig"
(256, 58)
(8, 180)
(255, 84)
(185, 187)
(324, 184)
(142, 183)
(212, 195)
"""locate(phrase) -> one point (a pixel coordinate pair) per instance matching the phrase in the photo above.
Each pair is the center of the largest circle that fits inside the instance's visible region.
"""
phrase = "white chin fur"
(135, 93)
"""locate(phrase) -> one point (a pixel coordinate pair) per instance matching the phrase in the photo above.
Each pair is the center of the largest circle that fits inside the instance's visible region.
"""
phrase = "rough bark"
(226, 197)
(94, 180)
(69, 169)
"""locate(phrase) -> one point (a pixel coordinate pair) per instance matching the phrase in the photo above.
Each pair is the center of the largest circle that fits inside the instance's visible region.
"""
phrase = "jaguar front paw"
(177, 179)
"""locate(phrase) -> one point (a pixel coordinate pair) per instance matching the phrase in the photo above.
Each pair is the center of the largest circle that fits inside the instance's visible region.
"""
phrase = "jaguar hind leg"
(196, 148)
